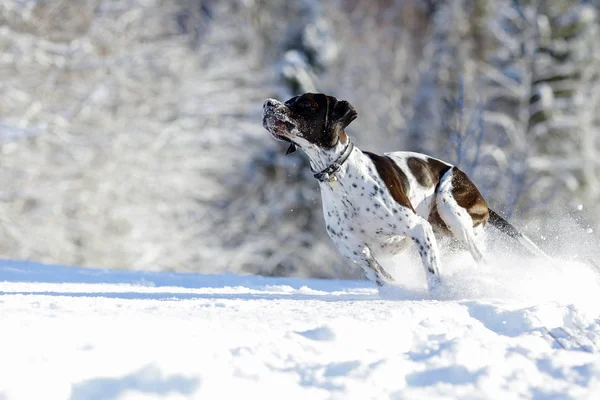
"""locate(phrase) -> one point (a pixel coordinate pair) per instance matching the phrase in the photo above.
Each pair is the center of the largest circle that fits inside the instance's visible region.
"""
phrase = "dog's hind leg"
(461, 207)
(421, 232)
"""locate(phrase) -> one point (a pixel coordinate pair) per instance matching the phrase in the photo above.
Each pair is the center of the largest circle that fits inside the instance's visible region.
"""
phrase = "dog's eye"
(306, 105)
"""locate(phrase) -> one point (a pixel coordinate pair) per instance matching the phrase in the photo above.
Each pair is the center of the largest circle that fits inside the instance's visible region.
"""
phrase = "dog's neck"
(320, 158)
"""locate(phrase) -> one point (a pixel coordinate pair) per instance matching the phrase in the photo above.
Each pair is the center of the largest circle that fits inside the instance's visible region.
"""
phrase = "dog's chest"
(359, 208)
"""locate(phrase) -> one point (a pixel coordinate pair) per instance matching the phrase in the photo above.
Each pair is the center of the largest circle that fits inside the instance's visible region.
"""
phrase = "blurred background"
(131, 137)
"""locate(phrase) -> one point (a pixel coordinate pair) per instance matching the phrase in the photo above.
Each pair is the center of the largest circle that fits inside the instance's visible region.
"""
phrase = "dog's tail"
(505, 227)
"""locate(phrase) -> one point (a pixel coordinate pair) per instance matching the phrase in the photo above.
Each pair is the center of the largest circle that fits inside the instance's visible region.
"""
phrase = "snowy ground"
(500, 332)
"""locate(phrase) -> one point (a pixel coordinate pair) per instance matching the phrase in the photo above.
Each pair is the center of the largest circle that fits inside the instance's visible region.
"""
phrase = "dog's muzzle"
(274, 119)
(277, 123)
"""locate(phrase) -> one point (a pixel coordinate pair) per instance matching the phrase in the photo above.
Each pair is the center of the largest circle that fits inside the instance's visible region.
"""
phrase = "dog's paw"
(434, 284)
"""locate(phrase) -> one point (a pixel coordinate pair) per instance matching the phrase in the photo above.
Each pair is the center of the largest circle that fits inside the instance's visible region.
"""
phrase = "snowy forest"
(131, 136)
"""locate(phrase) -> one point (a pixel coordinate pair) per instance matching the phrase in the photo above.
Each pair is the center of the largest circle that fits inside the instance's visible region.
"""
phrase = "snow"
(510, 330)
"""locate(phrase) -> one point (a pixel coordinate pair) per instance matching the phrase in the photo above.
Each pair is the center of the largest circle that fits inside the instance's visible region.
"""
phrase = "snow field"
(520, 331)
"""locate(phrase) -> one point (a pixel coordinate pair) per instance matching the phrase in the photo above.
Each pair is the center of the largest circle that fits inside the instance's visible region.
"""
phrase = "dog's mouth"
(279, 128)
(278, 124)
(280, 134)
(283, 129)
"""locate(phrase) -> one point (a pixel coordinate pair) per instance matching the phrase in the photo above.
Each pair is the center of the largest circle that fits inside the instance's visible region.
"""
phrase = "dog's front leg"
(373, 270)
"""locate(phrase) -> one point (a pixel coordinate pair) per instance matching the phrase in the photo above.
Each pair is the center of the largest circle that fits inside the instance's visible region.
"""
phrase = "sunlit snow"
(521, 330)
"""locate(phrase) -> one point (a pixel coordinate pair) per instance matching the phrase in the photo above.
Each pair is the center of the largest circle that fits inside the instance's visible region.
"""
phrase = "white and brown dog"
(373, 203)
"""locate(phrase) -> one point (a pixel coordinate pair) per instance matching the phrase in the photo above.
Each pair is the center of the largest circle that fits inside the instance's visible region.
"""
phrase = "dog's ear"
(341, 114)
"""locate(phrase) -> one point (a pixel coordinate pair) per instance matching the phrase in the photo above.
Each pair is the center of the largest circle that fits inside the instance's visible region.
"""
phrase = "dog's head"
(312, 119)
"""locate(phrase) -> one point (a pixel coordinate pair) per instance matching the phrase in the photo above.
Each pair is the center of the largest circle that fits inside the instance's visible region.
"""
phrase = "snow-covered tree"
(448, 81)
(542, 82)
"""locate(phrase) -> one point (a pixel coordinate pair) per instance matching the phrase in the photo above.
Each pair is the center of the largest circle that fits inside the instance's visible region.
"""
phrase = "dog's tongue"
(291, 149)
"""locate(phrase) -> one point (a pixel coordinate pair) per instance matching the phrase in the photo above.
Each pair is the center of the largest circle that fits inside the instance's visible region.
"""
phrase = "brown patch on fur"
(393, 177)
(438, 224)
(467, 196)
(438, 168)
(420, 170)
(427, 172)
(343, 137)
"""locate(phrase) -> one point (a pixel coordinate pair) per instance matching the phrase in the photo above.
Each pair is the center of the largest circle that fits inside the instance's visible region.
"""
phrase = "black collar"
(327, 175)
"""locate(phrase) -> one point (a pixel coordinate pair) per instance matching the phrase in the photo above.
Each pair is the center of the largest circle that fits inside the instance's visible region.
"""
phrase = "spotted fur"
(377, 205)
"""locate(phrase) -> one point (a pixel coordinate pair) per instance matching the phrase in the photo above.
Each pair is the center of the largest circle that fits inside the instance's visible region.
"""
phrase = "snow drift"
(520, 330)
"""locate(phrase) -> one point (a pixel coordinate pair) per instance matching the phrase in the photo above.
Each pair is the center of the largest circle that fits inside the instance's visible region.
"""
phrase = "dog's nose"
(270, 103)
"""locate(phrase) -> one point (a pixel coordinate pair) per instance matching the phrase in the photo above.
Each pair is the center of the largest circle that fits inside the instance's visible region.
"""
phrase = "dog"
(377, 205)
